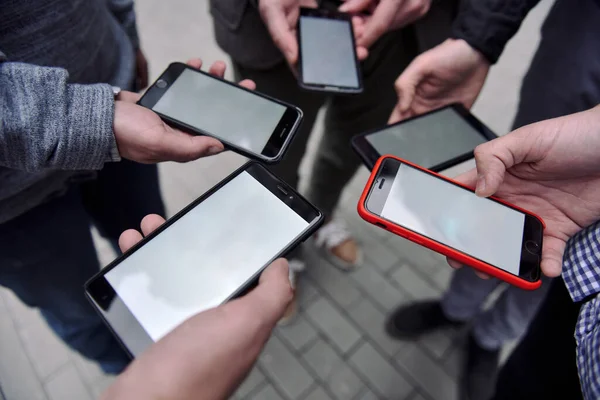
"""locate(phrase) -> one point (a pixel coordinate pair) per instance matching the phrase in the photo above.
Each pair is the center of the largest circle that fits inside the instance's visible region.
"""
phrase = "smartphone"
(245, 121)
(488, 234)
(212, 251)
(327, 58)
(437, 140)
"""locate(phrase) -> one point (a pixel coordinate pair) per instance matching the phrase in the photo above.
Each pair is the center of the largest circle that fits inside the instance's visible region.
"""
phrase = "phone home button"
(532, 247)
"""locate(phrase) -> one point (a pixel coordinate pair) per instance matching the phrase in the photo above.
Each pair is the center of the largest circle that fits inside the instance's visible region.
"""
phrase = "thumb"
(181, 147)
(378, 24)
(282, 35)
(354, 6)
(407, 83)
(274, 291)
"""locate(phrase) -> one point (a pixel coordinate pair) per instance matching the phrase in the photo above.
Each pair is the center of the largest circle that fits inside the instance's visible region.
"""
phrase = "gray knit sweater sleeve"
(47, 123)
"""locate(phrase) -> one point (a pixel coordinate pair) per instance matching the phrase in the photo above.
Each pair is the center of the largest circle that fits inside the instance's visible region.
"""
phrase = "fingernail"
(214, 150)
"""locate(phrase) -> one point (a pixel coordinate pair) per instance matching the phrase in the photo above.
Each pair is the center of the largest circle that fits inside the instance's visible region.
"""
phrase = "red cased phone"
(529, 280)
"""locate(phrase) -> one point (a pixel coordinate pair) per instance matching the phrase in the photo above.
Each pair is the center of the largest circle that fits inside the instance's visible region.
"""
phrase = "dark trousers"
(543, 366)
(47, 254)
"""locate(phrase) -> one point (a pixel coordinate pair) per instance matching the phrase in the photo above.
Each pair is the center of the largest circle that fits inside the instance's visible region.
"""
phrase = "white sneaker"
(331, 237)
(295, 266)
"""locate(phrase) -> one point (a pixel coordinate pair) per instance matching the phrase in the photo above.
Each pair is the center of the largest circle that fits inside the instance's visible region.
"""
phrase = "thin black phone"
(245, 121)
(327, 59)
(210, 252)
(436, 140)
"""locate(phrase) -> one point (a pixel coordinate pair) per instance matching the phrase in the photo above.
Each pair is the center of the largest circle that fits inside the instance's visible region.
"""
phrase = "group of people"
(74, 151)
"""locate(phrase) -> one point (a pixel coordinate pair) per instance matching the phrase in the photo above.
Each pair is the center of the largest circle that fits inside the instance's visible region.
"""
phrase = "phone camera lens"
(291, 197)
(161, 84)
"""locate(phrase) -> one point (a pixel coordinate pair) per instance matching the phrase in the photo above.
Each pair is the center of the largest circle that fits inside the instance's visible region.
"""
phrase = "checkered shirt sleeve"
(581, 273)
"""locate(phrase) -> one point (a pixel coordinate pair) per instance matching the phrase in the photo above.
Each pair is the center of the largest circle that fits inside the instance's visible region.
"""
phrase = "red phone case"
(435, 246)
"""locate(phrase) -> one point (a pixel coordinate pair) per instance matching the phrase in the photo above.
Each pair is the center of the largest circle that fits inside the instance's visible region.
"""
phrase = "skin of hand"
(281, 19)
(550, 168)
(452, 72)
(141, 70)
(385, 16)
(143, 137)
(210, 354)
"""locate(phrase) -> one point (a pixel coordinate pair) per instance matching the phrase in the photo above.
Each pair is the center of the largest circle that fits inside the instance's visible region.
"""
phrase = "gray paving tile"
(378, 287)
(99, 386)
(66, 384)
(413, 284)
(415, 255)
(453, 362)
(306, 292)
(284, 369)
(441, 278)
(335, 283)
(437, 343)
(318, 394)
(333, 372)
(333, 324)
(430, 376)
(379, 255)
(372, 321)
(18, 377)
(267, 393)
(252, 381)
(21, 314)
(367, 395)
(45, 350)
(417, 396)
(382, 376)
(298, 333)
(90, 371)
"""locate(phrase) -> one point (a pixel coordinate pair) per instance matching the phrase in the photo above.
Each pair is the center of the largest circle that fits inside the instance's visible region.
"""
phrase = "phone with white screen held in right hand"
(245, 121)
(210, 252)
(497, 238)
(327, 59)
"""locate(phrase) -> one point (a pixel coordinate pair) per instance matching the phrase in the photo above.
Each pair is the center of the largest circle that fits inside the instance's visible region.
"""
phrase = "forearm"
(47, 123)
(487, 25)
(124, 12)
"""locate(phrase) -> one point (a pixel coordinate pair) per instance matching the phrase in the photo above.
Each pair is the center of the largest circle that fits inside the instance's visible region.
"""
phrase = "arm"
(487, 25)
(49, 123)
(124, 13)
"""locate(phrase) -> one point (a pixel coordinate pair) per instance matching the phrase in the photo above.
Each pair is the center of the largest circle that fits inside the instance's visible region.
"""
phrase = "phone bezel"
(331, 15)
(529, 269)
(99, 291)
(369, 155)
(278, 142)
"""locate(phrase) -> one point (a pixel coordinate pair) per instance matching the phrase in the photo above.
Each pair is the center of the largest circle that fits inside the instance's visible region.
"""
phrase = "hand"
(550, 168)
(452, 72)
(143, 137)
(281, 19)
(141, 70)
(209, 355)
(386, 15)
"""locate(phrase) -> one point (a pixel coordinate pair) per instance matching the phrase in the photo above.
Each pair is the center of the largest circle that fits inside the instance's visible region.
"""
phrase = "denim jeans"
(47, 254)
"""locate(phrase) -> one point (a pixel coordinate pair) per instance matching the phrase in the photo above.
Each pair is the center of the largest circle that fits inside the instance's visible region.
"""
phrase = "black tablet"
(437, 140)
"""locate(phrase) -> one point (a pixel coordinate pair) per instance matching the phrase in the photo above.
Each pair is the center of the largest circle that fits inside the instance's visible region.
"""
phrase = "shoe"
(478, 380)
(338, 246)
(295, 266)
(414, 320)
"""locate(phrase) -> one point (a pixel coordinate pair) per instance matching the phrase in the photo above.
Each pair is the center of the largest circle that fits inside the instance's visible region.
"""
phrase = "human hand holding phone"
(281, 19)
(211, 353)
(385, 15)
(550, 168)
(143, 137)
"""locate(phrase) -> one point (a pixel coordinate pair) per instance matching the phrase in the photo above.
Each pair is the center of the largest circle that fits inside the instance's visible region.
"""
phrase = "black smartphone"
(489, 234)
(327, 58)
(210, 252)
(247, 122)
(437, 140)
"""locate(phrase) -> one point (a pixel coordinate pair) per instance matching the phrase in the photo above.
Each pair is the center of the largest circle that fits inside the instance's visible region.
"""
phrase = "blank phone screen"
(328, 52)
(204, 257)
(430, 140)
(221, 110)
(455, 217)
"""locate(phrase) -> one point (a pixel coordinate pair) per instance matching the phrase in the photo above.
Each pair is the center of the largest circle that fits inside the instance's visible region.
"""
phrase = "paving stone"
(66, 384)
(378, 287)
(367, 395)
(252, 381)
(430, 376)
(437, 342)
(384, 379)
(417, 396)
(416, 255)
(99, 386)
(307, 292)
(379, 255)
(333, 372)
(333, 324)
(441, 278)
(372, 321)
(453, 363)
(284, 369)
(318, 394)
(335, 283)
(413, 284)
(298, 333)
(267, 393)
